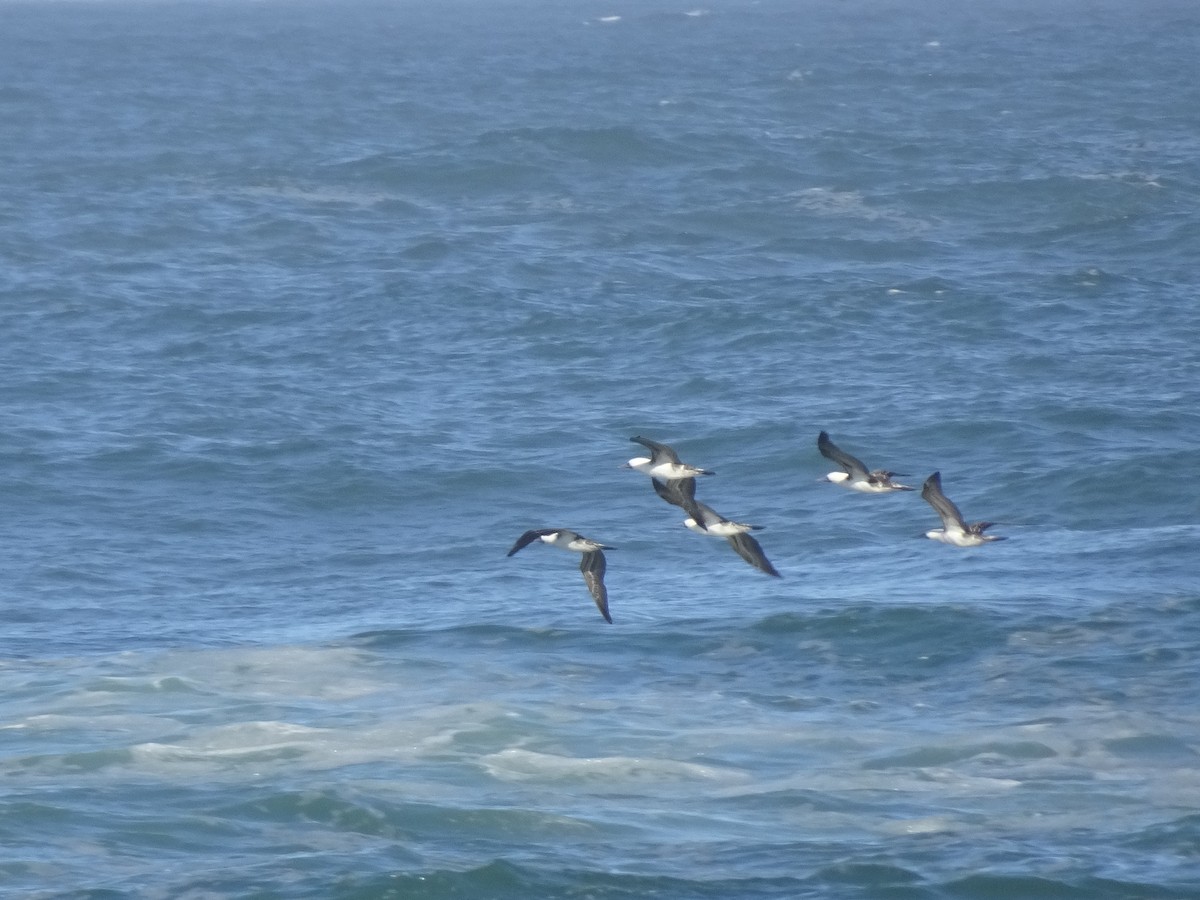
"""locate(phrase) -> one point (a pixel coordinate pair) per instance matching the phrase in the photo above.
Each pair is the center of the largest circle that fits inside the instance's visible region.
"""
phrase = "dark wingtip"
(523, 541)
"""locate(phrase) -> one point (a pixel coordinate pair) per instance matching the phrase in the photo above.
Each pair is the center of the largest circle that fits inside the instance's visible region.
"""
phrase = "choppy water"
(309, 310)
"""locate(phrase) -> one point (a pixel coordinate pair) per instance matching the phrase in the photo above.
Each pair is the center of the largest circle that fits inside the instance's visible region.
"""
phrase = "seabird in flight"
(713, 523)
(663, 463)
(954, 528)
(855, 475)
(592, 564)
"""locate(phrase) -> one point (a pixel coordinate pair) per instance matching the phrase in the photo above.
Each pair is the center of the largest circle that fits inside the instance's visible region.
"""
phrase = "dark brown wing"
(677, 491)
(593, 566)
(681, 492)
(750, 550)
(528, 538)
(852, 465)
(931, 493)
(658, 452)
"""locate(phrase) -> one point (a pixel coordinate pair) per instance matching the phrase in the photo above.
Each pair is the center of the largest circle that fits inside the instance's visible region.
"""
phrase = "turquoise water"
(310, 310)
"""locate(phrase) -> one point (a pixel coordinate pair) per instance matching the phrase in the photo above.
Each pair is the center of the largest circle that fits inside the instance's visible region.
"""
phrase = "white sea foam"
(855, 205)
(518, 764)
(924, 825)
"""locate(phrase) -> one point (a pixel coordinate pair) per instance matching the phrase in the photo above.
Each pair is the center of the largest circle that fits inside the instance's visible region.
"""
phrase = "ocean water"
(309, 310)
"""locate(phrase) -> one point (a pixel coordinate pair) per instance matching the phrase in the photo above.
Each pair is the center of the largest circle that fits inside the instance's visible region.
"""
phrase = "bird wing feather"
(659, 452)
(851, 464)
(593, 566)
(932, 493)
(528, 538)
(751, 551)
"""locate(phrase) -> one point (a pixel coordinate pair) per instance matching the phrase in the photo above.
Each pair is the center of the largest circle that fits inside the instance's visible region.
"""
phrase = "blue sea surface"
(311, 309)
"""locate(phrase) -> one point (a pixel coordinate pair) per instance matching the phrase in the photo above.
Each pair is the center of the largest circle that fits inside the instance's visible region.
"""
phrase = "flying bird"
(854, 474)
(663, 463)
(713, 523)
(592, 564)
(954, 530)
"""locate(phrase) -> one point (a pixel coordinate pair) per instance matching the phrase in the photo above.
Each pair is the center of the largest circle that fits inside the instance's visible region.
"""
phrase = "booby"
(663, 463)
(855, 474)
(954, 530)
(592, 564)
(713, 523)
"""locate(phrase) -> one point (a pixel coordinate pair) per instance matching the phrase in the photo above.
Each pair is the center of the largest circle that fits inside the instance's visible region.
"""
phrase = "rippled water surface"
(310, 310)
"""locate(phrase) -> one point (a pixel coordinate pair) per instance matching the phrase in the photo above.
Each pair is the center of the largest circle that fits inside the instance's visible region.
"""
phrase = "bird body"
(663, 462)
(716, 524)
(558, 537)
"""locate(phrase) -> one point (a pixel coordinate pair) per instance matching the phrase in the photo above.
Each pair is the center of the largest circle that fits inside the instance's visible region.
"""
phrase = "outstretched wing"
(750, 550)
(852, 465)
(931, 493)
(681, 492)
(659, 452)
(528, 538)
(592, 565)
(677, 491)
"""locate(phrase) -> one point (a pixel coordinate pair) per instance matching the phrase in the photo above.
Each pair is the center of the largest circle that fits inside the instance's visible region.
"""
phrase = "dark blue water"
(310, 310)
